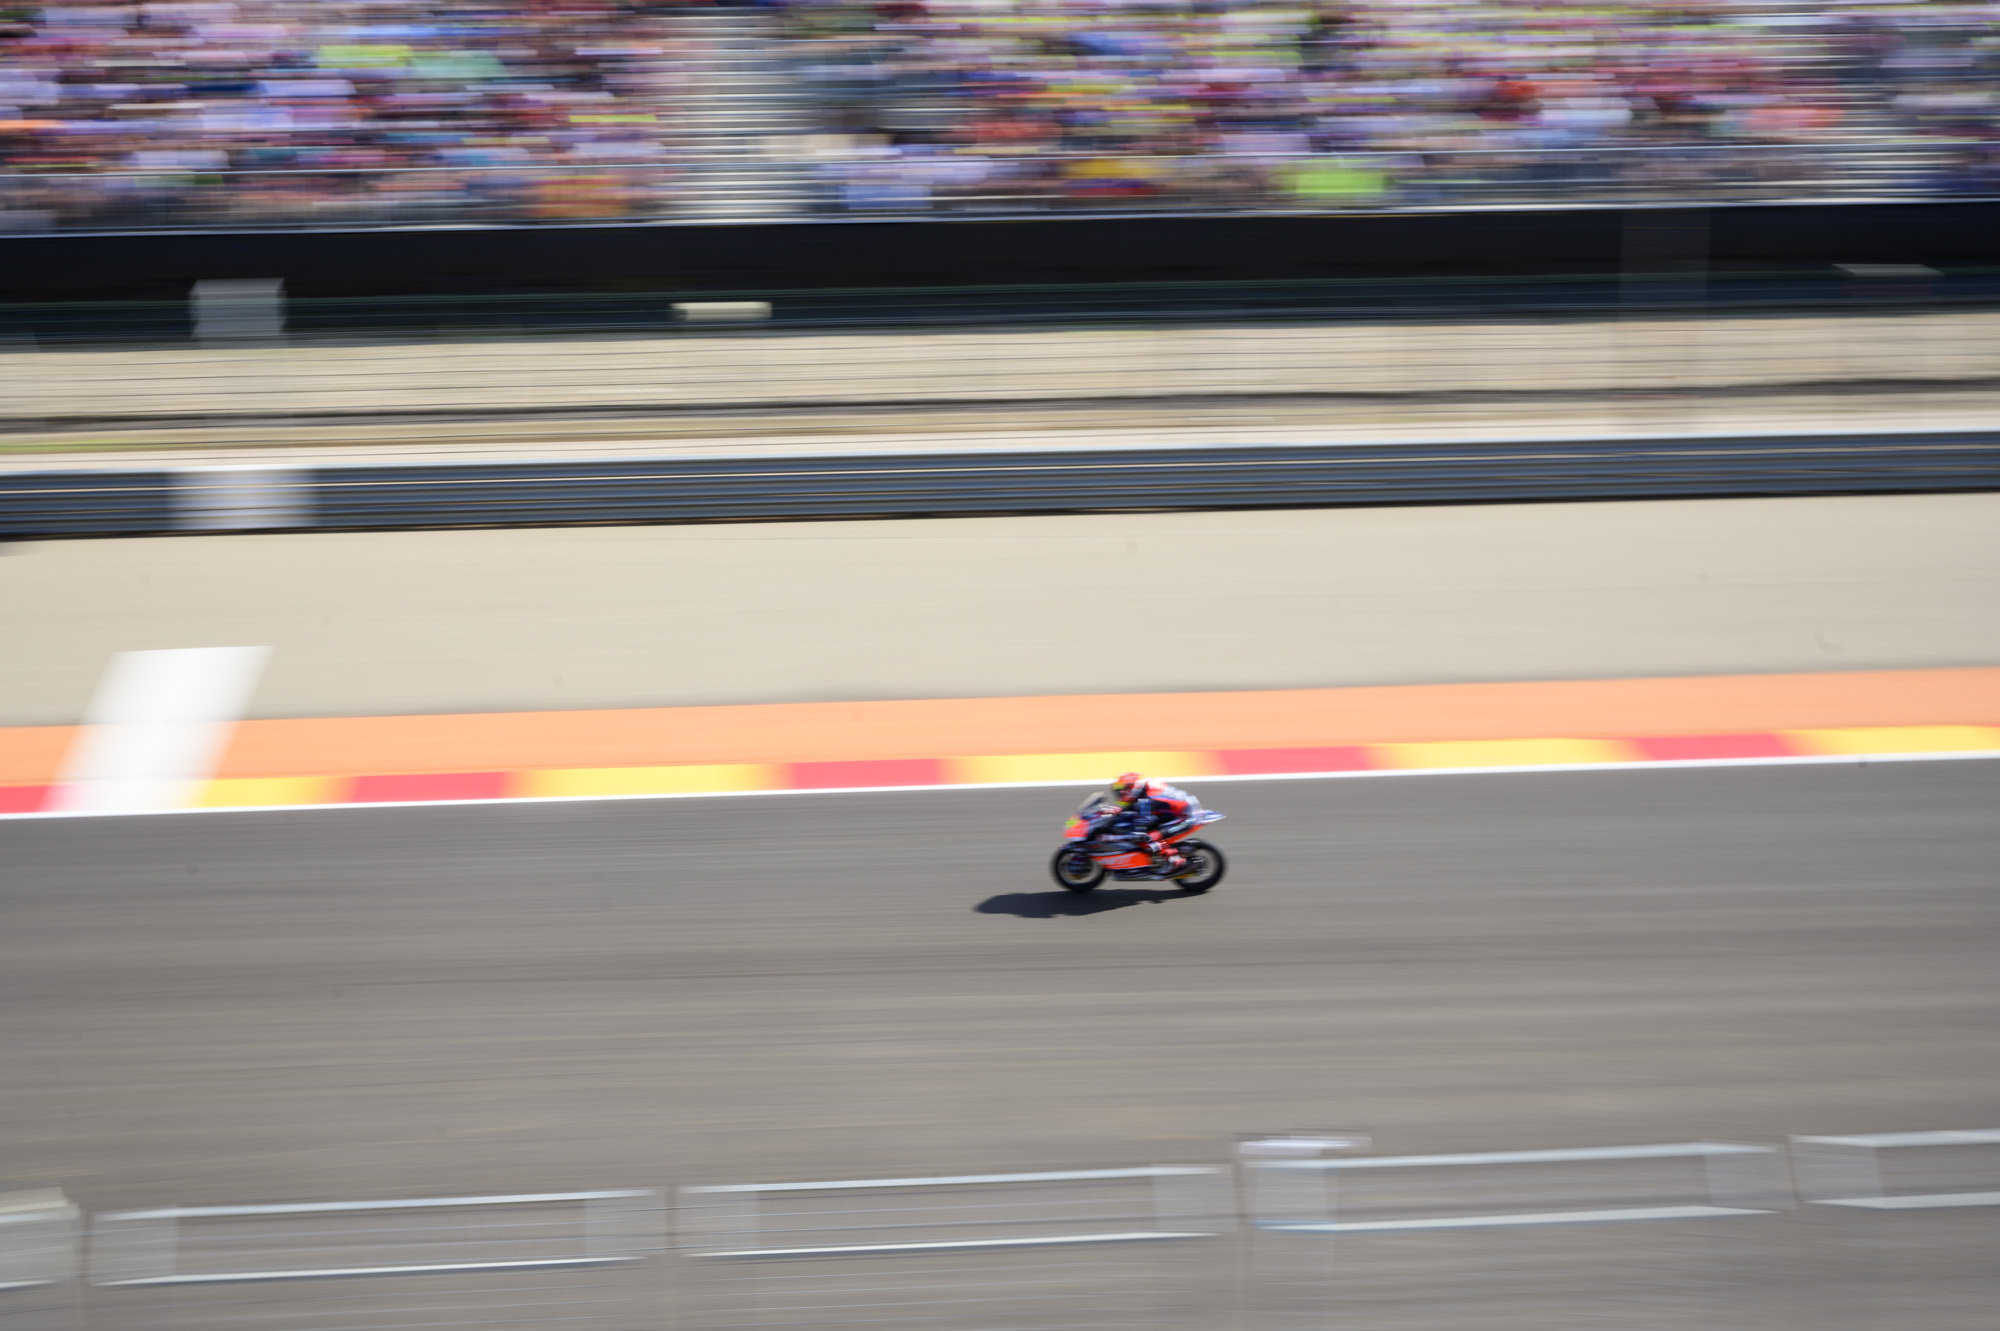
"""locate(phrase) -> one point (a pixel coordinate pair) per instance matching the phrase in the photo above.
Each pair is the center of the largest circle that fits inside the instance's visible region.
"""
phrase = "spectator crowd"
(245, 112)
(1364, 102)
(242, 113)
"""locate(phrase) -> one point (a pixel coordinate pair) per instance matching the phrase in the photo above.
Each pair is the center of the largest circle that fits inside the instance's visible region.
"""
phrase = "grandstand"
(252, 114)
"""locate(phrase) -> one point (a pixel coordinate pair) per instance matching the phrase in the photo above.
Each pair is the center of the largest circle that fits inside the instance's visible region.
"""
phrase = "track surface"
(313, 1006)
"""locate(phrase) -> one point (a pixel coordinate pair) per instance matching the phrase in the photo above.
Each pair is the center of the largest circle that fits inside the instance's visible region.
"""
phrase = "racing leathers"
(1156, 812)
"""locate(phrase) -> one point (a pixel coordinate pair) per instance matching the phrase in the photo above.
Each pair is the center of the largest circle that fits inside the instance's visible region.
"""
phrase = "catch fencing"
(1883, 1232)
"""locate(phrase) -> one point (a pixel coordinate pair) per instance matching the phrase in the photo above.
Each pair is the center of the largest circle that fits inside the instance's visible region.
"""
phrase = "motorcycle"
(1098, 843)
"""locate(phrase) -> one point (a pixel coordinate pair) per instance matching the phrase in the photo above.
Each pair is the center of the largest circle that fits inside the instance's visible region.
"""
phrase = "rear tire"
(1206, 866)
(1063, 869)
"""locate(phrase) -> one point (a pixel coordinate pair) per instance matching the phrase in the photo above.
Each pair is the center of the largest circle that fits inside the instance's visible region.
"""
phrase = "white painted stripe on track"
(1811, 760)
(155, 729)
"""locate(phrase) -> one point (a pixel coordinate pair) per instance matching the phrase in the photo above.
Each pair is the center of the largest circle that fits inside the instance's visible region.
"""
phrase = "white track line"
(155, 729)
(1839, 759)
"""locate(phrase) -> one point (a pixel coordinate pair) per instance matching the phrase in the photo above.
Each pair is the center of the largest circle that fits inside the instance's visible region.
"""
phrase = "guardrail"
(774, 487)
(1697, 1233)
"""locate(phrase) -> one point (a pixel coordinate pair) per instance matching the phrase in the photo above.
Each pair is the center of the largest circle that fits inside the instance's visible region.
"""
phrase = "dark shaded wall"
(845, 254)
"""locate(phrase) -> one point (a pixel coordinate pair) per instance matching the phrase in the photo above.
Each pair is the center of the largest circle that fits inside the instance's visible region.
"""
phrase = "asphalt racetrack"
(254, 1007)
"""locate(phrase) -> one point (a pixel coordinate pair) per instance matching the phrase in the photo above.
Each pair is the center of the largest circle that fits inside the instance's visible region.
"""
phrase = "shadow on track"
(1048, 905)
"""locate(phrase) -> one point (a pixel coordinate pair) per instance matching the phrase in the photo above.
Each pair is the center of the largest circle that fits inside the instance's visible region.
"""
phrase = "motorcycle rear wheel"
(1062, 869)
(1206, 866)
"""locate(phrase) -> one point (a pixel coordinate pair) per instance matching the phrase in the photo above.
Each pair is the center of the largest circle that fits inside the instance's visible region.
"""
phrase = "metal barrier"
(440, 1261)
(1901, 1229)
(1685, 1236)
(1539, 1240)
(1059, 1249)
(87, 503)
(877, 485)
(1899, 1171)
(40, 1249)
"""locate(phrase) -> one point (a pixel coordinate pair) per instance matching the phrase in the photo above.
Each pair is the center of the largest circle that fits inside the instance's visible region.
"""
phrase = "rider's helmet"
(1127, 789)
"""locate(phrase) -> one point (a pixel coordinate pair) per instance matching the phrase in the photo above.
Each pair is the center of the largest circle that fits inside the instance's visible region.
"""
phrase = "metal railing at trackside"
(1899, 1221)
(1857, 1234)
(1549, 1240)
(811, 485)
(41, 1249)
(439, 1261)
(1099, 1247)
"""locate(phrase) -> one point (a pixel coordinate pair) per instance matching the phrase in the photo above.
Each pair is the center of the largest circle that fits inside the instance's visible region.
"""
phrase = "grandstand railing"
(923, 181)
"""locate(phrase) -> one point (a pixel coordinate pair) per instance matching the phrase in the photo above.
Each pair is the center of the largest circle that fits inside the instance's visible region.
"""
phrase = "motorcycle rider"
(1155, 810)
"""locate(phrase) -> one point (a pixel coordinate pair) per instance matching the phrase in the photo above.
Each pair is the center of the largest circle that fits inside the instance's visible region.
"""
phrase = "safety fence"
(1101, 1248)
(1859, 1233)
(775, 487)
(549, 1258)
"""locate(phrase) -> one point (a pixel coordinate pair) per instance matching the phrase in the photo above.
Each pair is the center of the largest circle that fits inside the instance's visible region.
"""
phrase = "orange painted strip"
(1078, 768)
(32, 755)
(1285, 718)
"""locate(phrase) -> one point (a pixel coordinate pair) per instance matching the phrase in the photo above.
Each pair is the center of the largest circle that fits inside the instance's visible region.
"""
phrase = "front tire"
(1205, 867)
(1064, 868)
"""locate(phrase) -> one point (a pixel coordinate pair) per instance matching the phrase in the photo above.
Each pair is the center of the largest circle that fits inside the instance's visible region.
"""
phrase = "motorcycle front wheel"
(1075, 871)
(1205, 866)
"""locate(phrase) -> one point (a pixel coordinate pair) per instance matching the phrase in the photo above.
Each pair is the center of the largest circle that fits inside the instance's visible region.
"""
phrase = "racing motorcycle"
(1098, 843)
